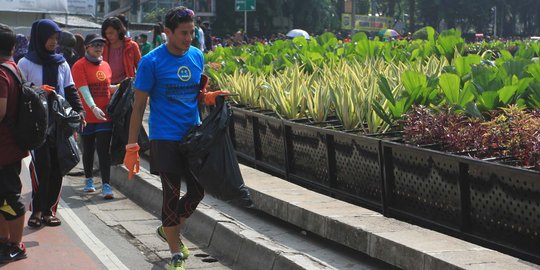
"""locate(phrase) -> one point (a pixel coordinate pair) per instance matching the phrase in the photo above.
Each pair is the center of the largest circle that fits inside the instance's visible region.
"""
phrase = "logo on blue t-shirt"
(184, 73)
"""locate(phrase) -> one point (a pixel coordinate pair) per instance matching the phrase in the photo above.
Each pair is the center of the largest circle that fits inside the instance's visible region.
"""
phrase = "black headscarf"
(41, 31)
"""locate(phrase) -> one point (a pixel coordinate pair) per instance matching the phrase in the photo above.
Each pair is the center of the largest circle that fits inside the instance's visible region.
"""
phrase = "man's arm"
(139, 106)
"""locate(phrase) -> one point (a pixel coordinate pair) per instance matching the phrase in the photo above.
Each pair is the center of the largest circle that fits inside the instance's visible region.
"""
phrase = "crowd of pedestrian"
(86, 72)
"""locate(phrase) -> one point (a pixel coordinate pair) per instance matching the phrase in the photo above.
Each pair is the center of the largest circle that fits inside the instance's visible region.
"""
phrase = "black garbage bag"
(119, 109)
(211, 155)
(64, 121)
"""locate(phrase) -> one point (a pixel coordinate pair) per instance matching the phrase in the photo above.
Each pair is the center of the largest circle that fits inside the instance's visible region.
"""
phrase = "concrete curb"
(392, 241)
(226, 238)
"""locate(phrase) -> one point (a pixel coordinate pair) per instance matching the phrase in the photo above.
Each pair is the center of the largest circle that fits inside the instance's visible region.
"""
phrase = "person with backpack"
(92, 77)
(12, 210)
(49, 70)
(169, 76)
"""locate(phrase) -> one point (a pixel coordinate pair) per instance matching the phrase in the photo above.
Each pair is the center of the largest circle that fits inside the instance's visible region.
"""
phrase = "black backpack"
(30, 128)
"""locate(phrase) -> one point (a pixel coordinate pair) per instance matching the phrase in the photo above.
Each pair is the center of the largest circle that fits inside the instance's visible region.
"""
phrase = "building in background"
(145, 11)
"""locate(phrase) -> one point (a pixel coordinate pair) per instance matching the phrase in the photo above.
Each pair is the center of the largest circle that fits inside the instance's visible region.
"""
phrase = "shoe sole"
(89, 190)
(14, 259)
(108, 197)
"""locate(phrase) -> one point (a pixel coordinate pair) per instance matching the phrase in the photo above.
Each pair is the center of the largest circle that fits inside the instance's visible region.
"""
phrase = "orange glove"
(210, 97)
(47, 88)
(131, 159)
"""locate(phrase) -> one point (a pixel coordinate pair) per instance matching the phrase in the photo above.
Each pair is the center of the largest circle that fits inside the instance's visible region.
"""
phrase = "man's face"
(180, 40)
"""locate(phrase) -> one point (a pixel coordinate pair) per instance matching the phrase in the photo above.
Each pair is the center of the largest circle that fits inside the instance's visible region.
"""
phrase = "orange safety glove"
(47, 88)
(131, 159)
(210, 97)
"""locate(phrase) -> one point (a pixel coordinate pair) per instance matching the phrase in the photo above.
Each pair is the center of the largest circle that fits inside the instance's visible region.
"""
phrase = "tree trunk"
(391, 8)
(412, 8)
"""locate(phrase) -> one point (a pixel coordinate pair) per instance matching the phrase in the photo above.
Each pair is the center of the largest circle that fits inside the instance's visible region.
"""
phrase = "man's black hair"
(115, 23)
(172, 19)
(145, 36)
(7, 36)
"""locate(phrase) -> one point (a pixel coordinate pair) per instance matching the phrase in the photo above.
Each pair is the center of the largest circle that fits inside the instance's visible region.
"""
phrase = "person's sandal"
(34, 221)
(51, 221)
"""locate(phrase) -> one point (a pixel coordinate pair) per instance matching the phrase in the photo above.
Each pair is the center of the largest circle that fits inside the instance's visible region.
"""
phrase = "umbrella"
(389, 33)
(298, 32)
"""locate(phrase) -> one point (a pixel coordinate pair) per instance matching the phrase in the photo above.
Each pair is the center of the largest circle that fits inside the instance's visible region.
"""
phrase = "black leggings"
(175, 207)
(99, 141)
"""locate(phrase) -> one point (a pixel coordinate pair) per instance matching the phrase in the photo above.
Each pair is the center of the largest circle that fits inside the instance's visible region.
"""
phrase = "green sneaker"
(183, 248)
(177, 263)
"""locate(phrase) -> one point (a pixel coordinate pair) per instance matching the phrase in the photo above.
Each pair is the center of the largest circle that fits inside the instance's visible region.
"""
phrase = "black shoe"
(13, 252)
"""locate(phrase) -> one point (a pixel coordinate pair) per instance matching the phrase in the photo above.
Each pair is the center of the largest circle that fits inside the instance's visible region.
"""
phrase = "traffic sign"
(244, 5)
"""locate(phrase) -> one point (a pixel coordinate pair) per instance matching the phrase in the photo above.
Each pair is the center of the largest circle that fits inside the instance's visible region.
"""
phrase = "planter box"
(270, 143)
(423, 184)
(242, 133)
(307, 154)
(505, 205)
(358, 169)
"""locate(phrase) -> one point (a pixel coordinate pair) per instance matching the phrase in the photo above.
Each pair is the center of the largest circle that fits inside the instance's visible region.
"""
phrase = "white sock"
(177, 254)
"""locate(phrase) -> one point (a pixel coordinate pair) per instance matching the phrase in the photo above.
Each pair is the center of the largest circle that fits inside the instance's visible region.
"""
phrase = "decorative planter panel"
(242, 133)
(270, 143)
(423, 183)
(505, 204)
(358, 169)
(308, 159)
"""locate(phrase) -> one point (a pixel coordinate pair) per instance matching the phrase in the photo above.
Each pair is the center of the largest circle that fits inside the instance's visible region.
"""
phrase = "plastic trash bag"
(210, 150)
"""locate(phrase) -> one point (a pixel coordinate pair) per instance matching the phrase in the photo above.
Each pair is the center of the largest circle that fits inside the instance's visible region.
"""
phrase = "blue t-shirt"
(172, 83)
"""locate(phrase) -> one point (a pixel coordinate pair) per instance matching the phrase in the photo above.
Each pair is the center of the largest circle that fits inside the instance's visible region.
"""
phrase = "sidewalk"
(389, 240)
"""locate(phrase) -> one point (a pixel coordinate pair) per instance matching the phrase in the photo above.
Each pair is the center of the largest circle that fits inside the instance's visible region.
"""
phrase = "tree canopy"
(513, 17)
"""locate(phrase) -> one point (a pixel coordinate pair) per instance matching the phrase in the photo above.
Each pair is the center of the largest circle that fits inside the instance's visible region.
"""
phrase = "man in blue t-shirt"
(170, 76)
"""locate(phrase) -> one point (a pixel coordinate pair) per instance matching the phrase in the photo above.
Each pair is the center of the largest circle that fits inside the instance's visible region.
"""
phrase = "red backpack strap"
(15, 72)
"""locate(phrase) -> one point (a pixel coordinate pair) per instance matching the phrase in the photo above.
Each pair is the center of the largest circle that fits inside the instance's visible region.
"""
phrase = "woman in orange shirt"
(120, 51)
(92, 78)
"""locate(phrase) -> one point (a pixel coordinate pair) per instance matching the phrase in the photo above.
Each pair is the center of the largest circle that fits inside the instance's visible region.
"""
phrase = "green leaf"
(472, 110)
(385, 89)
(467, 95)
(464, 64)
(381, 113)
(506, 93)
(449, 84)
(534, 70)
(489, 100)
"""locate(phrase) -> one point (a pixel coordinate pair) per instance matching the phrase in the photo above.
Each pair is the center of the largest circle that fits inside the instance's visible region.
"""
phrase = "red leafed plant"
(511, 132)
(423, 127)
(464, 134)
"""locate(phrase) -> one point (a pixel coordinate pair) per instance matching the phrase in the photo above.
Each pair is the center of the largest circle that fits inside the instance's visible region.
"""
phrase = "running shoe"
(89, 186)
(107, 192)
(183, 248)
(177, 263)
(13, 252)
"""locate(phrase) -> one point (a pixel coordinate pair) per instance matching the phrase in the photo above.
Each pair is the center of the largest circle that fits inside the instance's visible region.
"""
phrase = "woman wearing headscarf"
(21, 47)
(48, 69)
